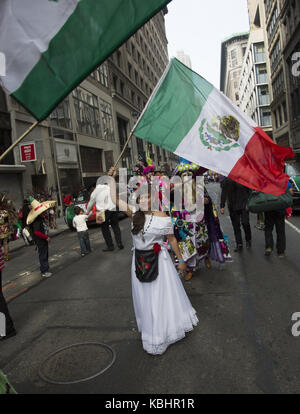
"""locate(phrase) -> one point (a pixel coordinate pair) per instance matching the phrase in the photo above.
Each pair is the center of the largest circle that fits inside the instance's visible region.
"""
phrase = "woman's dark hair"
(138, 221)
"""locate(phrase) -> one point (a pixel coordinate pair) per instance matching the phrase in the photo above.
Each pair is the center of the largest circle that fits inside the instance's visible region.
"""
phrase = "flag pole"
(19, 140)
(122, 152)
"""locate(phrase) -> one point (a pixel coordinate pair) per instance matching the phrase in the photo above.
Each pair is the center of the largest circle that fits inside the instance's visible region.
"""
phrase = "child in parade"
(79, 222)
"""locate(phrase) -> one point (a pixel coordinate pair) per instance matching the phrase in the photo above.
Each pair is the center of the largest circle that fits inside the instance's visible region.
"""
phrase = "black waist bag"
(146, 265)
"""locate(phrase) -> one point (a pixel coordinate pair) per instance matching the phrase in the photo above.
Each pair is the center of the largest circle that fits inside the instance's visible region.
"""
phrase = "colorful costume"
(200, 238)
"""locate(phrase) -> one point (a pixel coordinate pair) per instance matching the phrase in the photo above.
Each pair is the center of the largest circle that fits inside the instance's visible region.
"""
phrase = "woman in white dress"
(162, 309)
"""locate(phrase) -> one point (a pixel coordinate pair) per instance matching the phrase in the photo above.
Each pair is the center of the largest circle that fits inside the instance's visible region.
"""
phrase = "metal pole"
(19, 140)
(122, 152)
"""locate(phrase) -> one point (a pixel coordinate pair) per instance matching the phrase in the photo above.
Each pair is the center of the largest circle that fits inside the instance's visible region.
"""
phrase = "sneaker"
(13, 332)
(238, 248)
(268, 251)
(248, 244)
(281, 255)
(83, 254)
(108, 249)
(47, 274)
(121, 246)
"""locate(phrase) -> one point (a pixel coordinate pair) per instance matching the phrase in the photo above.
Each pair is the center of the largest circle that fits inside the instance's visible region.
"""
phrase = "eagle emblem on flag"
(221, 133)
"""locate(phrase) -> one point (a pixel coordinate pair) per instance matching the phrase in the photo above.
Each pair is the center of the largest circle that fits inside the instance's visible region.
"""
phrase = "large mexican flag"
(50, 46)
(191, 118)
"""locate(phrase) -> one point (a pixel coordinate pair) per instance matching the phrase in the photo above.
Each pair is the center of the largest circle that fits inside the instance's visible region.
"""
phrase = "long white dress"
(162, 309)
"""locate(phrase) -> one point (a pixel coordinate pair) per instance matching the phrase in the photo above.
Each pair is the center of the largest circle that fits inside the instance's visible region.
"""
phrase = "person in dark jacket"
(39, 228)
(277, 219)
(25, 212)
(237, 197)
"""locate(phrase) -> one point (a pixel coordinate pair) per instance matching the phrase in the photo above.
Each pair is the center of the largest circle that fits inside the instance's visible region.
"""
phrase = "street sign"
(28, 152)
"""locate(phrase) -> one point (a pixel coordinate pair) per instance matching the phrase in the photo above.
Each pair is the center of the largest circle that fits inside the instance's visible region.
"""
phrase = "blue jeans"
(84, 241)
(43, 256)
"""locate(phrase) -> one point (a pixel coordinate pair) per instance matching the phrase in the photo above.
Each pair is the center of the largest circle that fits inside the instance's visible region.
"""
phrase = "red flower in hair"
(156, 248)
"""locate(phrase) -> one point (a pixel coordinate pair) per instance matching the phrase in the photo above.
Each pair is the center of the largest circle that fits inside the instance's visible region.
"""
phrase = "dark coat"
(235, 194)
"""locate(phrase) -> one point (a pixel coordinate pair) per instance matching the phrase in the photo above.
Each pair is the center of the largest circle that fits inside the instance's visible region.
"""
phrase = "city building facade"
(232, 55)
(279, 76)
(84, 135)
(254, 84)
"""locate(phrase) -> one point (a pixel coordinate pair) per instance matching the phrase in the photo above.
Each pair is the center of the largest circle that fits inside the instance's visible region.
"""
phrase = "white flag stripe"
(25, 35)
(192, 148)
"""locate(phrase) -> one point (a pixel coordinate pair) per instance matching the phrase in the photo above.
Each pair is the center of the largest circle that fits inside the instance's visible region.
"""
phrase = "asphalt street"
(242, 344)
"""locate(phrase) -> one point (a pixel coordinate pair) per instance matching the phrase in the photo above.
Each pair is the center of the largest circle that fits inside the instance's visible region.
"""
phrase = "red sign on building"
(28, 152)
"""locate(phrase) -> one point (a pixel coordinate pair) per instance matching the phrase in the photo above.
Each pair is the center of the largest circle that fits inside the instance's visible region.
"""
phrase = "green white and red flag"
(191, 118)
(50, 46)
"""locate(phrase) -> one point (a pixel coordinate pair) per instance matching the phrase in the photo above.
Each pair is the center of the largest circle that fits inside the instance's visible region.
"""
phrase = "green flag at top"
(50, 46)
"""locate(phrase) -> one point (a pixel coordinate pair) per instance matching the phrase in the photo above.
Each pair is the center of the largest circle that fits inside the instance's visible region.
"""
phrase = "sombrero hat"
(38, 208)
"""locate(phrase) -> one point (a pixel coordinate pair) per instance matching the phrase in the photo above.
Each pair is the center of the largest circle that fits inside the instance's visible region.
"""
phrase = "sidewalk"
(60, 228)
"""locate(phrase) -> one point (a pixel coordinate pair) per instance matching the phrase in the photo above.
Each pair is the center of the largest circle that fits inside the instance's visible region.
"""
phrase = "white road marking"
(292, 226)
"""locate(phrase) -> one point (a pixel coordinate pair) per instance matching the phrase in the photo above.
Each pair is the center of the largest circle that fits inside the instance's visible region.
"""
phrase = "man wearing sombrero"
(36, 220)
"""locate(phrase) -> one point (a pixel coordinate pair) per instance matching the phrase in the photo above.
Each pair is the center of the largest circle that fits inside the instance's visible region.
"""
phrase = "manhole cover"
(77, 363)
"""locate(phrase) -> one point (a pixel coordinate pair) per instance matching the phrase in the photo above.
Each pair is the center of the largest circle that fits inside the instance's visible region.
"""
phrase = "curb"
(15, 249)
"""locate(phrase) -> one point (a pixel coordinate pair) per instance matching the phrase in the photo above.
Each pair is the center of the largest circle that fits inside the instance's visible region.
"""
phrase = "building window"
(129, 70)
(275, 54)
(61, 116)
(284, 111)
(132, 97)
(265, 116)
(107, 121)
(115, 83)
(101, 75)
(259, 52)
(261, 74)
(87, 112)
(91, 159)
(122, 88)
(263, 95)
(119, 58)
(233, 57)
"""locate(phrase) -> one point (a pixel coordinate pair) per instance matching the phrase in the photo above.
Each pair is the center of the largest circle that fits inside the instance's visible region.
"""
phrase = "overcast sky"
(198, 27)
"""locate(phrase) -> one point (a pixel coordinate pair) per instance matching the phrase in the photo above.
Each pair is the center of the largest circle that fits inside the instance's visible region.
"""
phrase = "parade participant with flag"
(163, 311)
(188, 116)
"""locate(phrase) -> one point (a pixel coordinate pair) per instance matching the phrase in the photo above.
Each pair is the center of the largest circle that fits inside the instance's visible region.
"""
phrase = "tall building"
(84, 135)
(232, 54)
(279, 73)
(254, 85)
(289, 15)
(185, 59)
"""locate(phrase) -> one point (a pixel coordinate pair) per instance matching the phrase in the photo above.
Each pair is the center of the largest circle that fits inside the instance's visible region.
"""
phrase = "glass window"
(107, 121)
(87, 112)
(61, 116)
(101, 75)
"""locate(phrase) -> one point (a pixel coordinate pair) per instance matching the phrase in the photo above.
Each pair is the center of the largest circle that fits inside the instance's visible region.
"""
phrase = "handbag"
(259, 202)
(146, 265)
(100, 217)
(187, 248)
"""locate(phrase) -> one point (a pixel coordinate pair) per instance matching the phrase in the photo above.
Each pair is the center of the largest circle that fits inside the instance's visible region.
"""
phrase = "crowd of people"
(167, 245)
